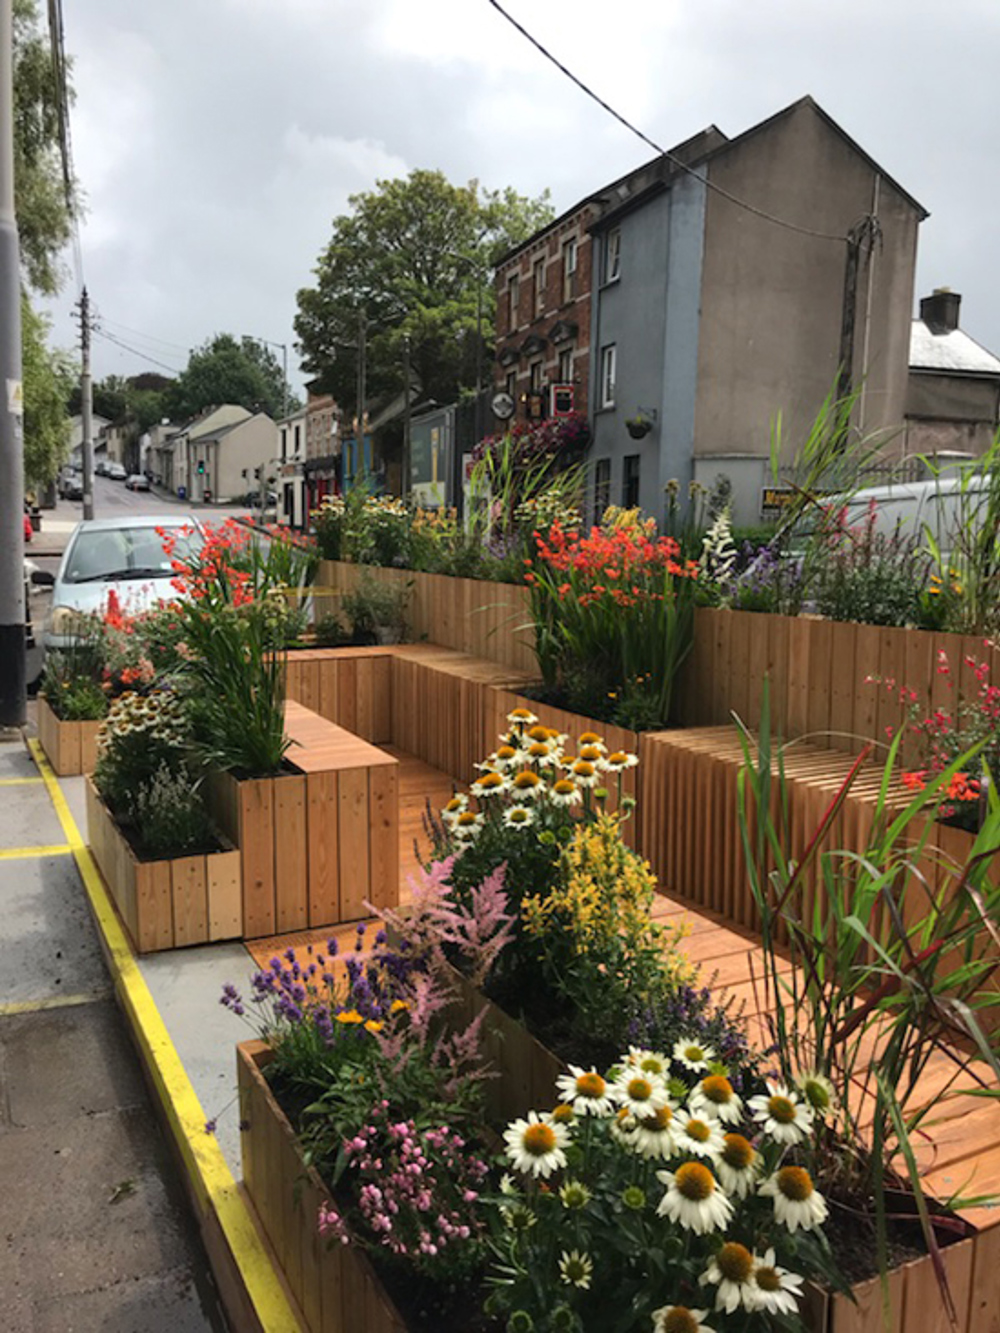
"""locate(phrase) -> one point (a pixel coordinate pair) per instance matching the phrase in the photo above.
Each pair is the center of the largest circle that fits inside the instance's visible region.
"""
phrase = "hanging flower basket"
(638, 427)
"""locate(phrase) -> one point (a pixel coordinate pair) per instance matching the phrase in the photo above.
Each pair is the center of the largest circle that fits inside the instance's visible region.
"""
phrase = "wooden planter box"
(349, 686)
(165, 904)
(70, 747)
(335, 1287)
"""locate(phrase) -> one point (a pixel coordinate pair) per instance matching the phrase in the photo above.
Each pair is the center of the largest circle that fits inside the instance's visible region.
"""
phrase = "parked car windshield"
(125, 553)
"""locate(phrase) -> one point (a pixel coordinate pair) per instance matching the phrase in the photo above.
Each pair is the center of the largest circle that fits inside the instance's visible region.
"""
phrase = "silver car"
(120, 555)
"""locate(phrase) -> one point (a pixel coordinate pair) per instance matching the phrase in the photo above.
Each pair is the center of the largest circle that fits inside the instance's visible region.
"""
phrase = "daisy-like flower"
(542, 753)
(586, 1091)
(797, 1201)
(585, 773)
(576, 1269)
(619, 760)
(506, 757)
(518, 816)
(653, 1135)
(574, 1195)
(714, 1097)
(694, 1199)
(650, 1062)
(565, 792)
(783, 1116)
(538, 733)
(699, 1135)
(623, 1127)
(778, 1290)
(536, 1145)
(679, 1319)
(692, 1055)
(467, 825)
(639, 1093)
(527, 785)
(522, 718)
(591, 754)
(563, 1114)
(490, 784)
(519, 1217)
(738, 1165)
(591, 738)
(732, 1273)
(454, 808)
(817, 1092)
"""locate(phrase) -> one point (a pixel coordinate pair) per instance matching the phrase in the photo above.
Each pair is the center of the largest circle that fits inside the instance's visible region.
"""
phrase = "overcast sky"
(215, 140)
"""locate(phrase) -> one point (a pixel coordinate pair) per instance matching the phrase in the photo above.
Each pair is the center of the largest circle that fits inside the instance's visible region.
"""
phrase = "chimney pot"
(939, 311)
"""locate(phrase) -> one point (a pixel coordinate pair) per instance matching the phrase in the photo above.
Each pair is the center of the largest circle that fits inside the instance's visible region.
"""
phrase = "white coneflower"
(797, 1201)
(527, 785)
(784, 1117)
(653, 1135)
(650, 1062)
(576, 1269)
(574, 1195)
(619, 760)
(467, 825)
(542, 753)
(591, 740)
(731, 1272)
(714, 1097)
(490, 784)
(454, 808)
(518, 816)
(778, 1290)
(564, 792)
(699, 1135)
(585, 773)
(506, 758)
(738, 1165)
(536, 1145)
(817, 1092)
(679, 1319)
(521, 718)
(591, 754)
(586, 1091)
(694, 1199)
(692, 1055)
(639, 1093)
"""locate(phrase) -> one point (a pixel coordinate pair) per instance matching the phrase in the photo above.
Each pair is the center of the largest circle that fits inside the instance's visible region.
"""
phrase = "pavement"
(98, 1236)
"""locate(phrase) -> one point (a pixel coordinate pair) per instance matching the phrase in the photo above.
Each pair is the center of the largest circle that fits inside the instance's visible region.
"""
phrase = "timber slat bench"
(319, 840)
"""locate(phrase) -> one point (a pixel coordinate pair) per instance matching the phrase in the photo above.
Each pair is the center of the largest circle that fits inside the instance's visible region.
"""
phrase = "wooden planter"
(165, 904)
(349, 686)
(335, 1287)
(70, 747)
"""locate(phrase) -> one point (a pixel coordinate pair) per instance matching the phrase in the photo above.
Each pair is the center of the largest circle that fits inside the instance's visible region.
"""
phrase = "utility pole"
(405, 479)
(362, 390)
(13, 703)
(86, 407)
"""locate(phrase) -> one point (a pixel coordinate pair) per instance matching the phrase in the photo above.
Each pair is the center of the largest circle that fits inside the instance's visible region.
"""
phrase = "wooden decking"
(958, 1151)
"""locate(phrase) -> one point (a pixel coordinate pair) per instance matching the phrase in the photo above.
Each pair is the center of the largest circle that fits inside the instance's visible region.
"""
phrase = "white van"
(940, 504)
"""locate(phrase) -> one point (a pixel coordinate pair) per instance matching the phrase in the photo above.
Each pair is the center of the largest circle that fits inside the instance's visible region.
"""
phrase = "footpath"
(98, 1236)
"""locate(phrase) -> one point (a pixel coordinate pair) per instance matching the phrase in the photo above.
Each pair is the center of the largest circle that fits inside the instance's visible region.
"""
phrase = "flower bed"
(165, 904)
(70, 747)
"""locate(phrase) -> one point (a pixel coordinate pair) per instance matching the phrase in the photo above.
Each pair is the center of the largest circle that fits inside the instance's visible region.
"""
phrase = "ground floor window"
(602, 487)
(630, 481)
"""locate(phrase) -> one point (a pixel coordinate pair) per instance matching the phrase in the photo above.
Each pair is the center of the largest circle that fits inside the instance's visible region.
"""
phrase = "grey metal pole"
(405, 486)
(13, 699)
(284, 387)
(86, 407)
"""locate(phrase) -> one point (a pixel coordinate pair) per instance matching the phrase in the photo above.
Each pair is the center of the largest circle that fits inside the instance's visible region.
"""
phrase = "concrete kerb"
(243, 1266)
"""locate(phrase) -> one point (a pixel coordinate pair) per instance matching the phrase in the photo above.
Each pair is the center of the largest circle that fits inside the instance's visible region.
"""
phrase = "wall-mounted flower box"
(165, 904)
(70, 747)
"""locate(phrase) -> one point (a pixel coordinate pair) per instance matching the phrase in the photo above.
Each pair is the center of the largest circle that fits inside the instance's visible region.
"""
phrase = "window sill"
(604, 409)
(611, 282)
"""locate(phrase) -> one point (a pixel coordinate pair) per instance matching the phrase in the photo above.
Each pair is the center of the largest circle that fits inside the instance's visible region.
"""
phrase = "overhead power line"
(110, 337)
(663, 152)
(117, 325)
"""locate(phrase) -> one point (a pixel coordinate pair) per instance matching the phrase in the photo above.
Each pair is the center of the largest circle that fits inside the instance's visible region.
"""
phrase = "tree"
(44, 216)
(230, 370)
(47, 377)
(414, 259)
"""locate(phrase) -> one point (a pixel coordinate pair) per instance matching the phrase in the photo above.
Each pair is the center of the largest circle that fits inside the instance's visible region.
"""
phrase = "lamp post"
(284, 371)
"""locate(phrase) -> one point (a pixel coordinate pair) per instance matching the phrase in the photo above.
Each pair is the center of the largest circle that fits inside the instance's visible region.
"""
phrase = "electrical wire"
(110, 337)
(663, 152)
(117, 325)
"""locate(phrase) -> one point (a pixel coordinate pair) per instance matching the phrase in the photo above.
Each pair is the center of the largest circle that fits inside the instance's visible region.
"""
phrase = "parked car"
(101, 467)
(70, 486)
(124, 555)
(252, 499)
(116, 472)
(35, 581)
(137, 482)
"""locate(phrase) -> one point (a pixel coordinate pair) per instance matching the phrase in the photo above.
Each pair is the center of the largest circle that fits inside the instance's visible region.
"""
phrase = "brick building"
(322, 464)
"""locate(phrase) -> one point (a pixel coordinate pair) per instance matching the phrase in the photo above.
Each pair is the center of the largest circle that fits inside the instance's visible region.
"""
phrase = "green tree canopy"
(226, 369)
(414, 257)
(47, 378)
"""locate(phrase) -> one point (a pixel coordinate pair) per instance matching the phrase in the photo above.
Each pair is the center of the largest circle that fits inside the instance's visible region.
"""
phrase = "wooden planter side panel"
(70, 747)
(349, 686)
(336, 1288)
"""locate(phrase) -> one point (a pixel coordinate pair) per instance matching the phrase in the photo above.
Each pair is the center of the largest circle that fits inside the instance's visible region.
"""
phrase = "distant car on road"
(137, 482)
(70, 485)
(116, 472)
(123, 555)
(252, 499)
(100, 467)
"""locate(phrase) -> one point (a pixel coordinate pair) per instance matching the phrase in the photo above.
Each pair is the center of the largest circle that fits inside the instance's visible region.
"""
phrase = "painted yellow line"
(25, 853)
(53, 1002)
(214, 1185)
(21, 782)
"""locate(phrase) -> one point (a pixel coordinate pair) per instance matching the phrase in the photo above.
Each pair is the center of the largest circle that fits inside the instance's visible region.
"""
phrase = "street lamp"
(284, 370)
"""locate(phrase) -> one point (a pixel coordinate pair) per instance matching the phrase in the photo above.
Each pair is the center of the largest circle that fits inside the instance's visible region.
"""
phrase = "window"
(609, 359)
(602, 488)
(630, 481)
(298, 440)
(284, 442)
(535, 371)
(513, 300)
(613, 254)
(569, 270)
(565, 375)
(510, 384)
(538, 287)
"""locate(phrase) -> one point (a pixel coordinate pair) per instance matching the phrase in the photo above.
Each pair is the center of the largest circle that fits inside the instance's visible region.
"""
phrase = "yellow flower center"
(735, 1261)
(456, 803)
(767, 1278)
(491, 780)
(538, 733)
(817, 1094)
(564, 787)
(639, 1089)
(737, 1153)
(466, 818)
(694, 1181)
(717, 1089)
(538, 751)
(651, 1065)
(699, 1131)
(795, 1183)
(520, 714)
(590, 753)
(539, 1139)
(506, 752)
(590, 738)
(524, 781)
(583, 768)
(563, 1114)
(619, 757)
(518, 816)
(694, 1053)
(658, 1121)
(782, 1110)
(590, 1085)
(680, 1320)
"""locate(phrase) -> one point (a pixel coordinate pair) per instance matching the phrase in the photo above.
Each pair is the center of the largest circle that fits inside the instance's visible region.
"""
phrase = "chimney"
(939, 311)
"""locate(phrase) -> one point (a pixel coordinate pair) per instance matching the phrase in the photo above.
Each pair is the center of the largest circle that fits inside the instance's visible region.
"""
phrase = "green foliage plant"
(142, 735)
(894, 950)
(867, 576)
(170, 816)
(967, 556)
(374, 606)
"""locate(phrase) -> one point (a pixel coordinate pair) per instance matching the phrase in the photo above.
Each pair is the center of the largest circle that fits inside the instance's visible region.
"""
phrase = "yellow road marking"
(24, 853)
(213, 1182)
(21, 782)
(53, 1002)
